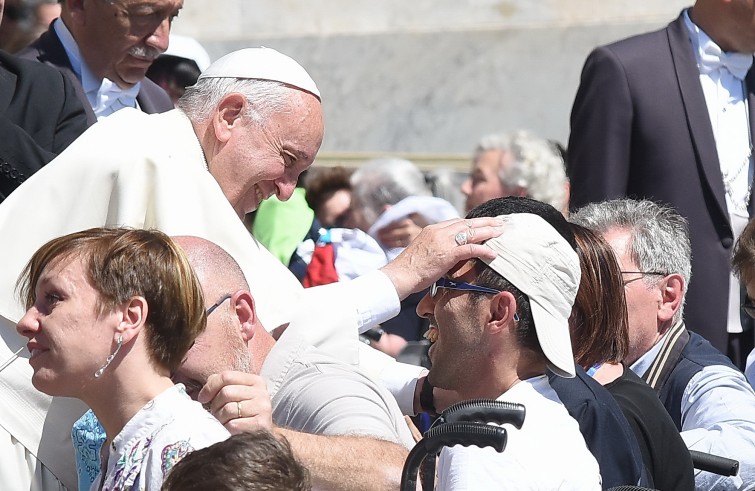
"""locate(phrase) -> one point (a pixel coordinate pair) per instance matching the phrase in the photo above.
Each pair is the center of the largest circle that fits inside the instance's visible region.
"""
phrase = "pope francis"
(245, 131)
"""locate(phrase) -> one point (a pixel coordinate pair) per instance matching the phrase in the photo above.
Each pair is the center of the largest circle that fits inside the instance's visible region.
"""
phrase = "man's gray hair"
(386, 181)
(658, 236)
(536, 165)
(263, 97)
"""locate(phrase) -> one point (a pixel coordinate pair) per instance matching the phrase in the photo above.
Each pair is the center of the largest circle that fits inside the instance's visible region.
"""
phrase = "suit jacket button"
(727, 242)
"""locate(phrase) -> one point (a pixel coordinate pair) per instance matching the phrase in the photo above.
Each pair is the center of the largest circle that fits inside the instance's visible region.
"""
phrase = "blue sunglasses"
(459, 285)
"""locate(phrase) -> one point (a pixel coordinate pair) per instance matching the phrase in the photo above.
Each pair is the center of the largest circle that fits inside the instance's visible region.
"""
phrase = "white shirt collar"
(711, 57)
(89, 82)
(104, 96)
(642, 364)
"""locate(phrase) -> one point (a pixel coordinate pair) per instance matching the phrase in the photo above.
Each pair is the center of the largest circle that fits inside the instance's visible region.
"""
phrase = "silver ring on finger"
(461, 238)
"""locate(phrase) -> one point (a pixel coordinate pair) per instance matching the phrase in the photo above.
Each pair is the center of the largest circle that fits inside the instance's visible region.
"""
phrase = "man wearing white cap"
(496, 326)
(244, 132)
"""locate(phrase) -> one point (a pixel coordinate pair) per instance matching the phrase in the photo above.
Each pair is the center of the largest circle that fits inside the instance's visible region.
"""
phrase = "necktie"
(110, 98)
(712, 58)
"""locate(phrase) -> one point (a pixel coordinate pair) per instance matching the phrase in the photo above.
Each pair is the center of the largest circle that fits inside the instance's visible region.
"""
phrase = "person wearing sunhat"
(497, 327)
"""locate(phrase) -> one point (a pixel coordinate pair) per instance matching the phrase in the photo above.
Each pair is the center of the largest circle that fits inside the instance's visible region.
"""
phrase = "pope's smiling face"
(262, 159)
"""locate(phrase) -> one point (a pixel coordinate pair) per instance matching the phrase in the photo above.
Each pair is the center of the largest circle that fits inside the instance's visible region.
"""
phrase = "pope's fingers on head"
(484, 232)
(482, 222)
(470, 251)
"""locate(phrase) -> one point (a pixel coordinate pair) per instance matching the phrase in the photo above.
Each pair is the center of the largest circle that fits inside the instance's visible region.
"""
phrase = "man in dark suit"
(106, 47)
(39, 117)
(667, 116)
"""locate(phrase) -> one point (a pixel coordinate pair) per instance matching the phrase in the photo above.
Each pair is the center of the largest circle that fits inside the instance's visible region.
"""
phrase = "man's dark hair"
(510, 205)
(182, 72)
(254, 461)
(514, 204)
(323, 182)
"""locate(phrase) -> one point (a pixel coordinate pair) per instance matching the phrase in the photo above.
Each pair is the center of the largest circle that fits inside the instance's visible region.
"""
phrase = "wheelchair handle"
(485, 411)
(447, 435)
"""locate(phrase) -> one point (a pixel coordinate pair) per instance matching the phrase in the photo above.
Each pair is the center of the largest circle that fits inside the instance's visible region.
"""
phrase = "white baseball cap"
(537, 260)
(262, 64)
(189, 48)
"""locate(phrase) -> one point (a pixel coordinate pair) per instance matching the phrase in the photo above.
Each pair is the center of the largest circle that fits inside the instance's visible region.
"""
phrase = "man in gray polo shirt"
(328, 410)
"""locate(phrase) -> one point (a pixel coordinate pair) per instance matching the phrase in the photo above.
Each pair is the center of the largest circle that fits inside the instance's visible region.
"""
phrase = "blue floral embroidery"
(173, 453)
(129, 465)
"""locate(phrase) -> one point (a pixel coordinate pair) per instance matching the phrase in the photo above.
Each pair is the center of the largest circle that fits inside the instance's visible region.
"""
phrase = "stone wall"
(429, 76)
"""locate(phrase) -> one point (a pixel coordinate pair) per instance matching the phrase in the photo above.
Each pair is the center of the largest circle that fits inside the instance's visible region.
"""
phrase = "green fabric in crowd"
(282, 225)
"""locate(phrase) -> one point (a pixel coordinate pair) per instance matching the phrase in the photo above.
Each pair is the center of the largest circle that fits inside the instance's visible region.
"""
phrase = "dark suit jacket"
(640, 129)
(49, 50)
(40, 115)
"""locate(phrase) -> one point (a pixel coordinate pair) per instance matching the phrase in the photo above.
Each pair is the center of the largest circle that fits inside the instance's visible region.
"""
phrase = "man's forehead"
(491, 157)
(618, 239)
(61, 264)
(461, 269)
(153, 4)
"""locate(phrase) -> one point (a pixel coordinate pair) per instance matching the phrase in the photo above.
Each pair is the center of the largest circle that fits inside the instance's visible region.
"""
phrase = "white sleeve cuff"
(401, 379)
(375, 298)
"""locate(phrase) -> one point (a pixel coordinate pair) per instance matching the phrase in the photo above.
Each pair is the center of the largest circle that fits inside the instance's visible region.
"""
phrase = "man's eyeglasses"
(749, 307)
(642, 274)
(459, 285)
(218, 303)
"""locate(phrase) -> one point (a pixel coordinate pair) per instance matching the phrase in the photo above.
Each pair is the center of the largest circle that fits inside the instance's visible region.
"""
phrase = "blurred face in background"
(483, 183)
(334, 210)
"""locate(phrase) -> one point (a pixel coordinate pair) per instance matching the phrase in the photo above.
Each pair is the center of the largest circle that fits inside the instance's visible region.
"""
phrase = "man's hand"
(238, 400)
(436, 250)
(400, 233)
(390, 344)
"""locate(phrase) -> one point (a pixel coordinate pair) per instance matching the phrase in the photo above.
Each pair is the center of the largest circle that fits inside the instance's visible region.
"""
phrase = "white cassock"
(142, 171)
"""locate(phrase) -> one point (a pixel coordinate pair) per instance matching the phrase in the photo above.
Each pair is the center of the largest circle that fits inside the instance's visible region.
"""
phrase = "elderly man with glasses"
(708, 398)
(105, 47)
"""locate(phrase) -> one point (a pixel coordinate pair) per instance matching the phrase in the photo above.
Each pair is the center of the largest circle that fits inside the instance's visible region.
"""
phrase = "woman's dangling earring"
(118, 342)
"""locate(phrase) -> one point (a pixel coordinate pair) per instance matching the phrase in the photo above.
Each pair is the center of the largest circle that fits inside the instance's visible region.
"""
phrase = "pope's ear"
(228, 115)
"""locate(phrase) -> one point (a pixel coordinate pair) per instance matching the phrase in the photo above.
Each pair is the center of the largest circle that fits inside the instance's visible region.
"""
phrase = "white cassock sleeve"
(144, 171)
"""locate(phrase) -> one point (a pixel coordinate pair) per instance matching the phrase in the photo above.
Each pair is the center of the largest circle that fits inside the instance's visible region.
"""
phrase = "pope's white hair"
(263, 97)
